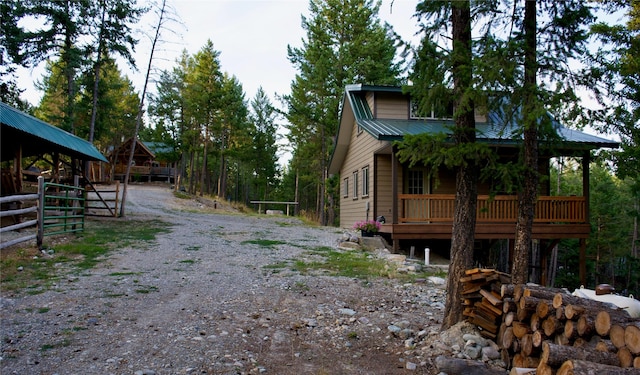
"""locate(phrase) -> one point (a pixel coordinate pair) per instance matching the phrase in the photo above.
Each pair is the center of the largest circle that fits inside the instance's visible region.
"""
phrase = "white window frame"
(365, 181)
(355, 185)
(345, 187)
(413, 109)
(422, 183)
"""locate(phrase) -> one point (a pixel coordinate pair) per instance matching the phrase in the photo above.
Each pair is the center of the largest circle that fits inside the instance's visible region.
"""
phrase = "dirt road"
(207, 298)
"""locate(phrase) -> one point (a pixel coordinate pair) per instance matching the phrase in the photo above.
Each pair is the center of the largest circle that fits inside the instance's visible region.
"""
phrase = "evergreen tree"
(203, 83)
(264, 146)
(462, 155)
(612, 214)
(166, 111)
(117, 99)
(346, 43)
(9, 90)
(233, 134)
(112, 29)
(614, 73)
(64, 26)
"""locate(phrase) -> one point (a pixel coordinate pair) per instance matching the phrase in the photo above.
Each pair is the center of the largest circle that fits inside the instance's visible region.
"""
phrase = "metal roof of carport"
(37, 137)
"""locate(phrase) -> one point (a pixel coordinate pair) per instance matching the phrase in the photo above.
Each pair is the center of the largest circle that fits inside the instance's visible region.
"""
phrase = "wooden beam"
(394, 195)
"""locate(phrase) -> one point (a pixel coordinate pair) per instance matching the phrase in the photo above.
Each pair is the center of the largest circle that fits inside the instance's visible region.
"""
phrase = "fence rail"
(18, 200)
(58, 209)
(101, 201)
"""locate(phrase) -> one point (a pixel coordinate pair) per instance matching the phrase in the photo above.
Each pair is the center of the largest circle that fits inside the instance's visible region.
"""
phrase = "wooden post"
(586, 193)
(40, 216)
(17, 165)
(394, 195)
(583, 262)
(115, 209)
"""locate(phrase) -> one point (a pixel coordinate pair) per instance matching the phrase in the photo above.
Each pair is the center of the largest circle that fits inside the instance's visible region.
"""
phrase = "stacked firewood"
(482, 299)
(549, 331)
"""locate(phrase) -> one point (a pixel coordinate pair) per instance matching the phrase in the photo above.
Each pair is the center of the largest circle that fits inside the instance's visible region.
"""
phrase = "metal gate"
(62, 209)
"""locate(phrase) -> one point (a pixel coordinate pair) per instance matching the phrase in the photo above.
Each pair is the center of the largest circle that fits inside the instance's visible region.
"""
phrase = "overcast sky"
(251, 36)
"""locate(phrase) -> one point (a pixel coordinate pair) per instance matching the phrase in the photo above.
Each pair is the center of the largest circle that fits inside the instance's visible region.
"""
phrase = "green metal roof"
(498, 130)
(495, 130)
(36, 137)
(158, 147)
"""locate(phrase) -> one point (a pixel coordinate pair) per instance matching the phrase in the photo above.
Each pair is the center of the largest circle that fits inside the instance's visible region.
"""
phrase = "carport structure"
(23, 135)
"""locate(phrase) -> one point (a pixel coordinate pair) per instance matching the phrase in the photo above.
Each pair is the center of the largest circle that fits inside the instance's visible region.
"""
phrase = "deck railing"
(429, 208)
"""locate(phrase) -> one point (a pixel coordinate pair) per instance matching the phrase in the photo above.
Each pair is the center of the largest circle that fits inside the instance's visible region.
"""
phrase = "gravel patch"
(202, 299)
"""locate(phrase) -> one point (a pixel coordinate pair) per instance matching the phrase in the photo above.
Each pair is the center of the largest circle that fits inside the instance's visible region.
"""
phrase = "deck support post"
(394, 194)
(583, 261)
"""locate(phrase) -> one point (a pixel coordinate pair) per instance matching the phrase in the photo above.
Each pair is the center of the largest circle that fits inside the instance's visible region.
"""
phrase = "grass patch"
(181, 195)
(114, 295)
(65, 342)
(146, 289)
(27, 270)
(124, 273)
(193, 248)
(356, 264)
(264, 243)
(277, 266)
(100, 238)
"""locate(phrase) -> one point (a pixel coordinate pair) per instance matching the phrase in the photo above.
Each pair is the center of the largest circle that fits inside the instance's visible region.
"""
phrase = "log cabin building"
(150, 162)
(418, 208)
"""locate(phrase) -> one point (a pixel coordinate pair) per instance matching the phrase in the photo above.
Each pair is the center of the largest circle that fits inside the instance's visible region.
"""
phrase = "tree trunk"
(581, 367)
(555, 355)
(140, 107)
(527, 198)
(464, 222)
(192, 157)
(465, 366)
(203, 171)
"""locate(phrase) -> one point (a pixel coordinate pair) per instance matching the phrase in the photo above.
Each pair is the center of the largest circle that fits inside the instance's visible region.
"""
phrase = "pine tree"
(459, 62)
(346, 43)
(264, 145)
(203, 83)
(64, 27)
(112, 27)
(234, 134)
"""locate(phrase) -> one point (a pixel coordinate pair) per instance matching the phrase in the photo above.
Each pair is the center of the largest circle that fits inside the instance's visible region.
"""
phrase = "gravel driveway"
(212, 307)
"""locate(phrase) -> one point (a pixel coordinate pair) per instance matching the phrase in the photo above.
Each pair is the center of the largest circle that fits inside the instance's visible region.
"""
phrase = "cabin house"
(418, 209)
(151, 162)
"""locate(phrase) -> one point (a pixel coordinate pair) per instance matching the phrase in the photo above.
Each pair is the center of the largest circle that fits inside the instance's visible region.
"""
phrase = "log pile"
(482, 300)
(548, 331)
(544, 330)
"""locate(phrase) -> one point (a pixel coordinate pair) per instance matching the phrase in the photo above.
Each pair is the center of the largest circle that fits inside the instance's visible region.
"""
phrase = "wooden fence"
(58, 209)
(101, 201)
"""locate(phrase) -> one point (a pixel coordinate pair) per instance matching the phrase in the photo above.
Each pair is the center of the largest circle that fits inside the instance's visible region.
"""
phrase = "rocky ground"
(204, 299)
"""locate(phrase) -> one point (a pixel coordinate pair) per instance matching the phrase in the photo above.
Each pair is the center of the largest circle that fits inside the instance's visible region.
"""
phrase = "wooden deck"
(145, 173)
(431, 216)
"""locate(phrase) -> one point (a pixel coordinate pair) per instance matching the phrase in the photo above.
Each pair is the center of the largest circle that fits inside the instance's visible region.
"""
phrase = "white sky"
(251, 36)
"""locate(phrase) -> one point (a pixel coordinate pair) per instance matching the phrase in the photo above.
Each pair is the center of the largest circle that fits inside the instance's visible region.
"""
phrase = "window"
(444, 112)
(365, 181)
(415, 182)
(355, 185)
(345, 187)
